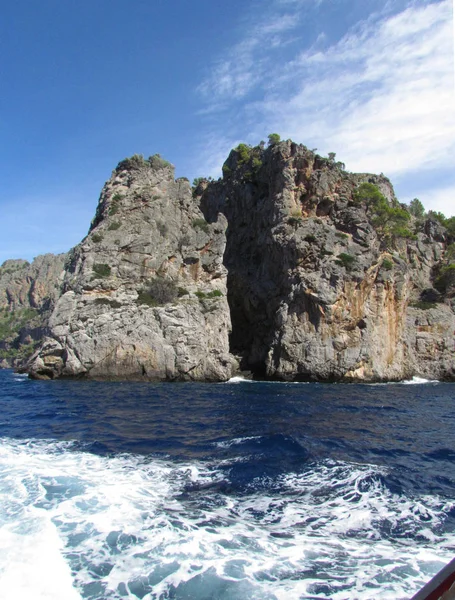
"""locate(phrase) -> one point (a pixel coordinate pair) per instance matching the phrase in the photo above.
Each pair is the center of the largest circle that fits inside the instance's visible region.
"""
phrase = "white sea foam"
(236, 441)
(413, 381)
(418, 381)
(129, 527)
(20, 377)
(239, 379)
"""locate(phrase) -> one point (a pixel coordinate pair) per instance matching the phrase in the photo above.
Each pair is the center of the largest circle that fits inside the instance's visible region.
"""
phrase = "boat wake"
(125, 526)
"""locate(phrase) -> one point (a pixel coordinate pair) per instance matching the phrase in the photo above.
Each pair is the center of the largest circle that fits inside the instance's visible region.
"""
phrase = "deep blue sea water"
(236, 491)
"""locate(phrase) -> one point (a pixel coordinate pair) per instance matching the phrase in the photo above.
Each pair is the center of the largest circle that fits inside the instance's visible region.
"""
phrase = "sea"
(232, 491)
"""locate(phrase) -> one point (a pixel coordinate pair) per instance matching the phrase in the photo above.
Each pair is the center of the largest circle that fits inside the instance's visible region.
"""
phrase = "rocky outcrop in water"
(322, 273)
(320, 285)
(28, 293)
(144, 294)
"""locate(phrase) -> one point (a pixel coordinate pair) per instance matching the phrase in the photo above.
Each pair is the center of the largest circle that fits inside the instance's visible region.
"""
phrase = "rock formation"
(144, 294)
(28, 293)
(319, 288)
(322, 273)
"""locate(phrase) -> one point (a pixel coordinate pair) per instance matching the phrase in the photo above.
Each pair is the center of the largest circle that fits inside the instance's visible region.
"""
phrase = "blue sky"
(86, 83)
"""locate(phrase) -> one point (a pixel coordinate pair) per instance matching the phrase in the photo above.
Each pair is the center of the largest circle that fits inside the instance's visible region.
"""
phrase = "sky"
(85, 83)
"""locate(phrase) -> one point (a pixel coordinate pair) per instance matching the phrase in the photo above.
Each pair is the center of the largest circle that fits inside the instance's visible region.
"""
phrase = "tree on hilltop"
(416, 208)
(274, 138)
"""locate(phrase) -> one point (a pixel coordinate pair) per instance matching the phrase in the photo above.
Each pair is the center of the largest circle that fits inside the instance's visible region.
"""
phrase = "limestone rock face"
(28, 293)
(25, 285)
(144, 294)
(314, 291)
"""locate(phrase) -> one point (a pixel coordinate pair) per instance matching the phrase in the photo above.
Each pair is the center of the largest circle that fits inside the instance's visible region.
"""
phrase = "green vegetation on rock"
(133, 162)
(115, 204)
(387, 264)
(20, 353)
(158, 292)
(197, 181)
(101, 270)
(200, 224)
(423, 305)
(209, 295)
(390, 222)
(256, 163)
(346, 260)
(450, 253)
(416, 208)
(274, 138)
(244, 153)
(445, 279)
(157, 162)
(137, 161)
(226, 170)
(247, 156)
(12, 321)
(448, 223)
(9, 270)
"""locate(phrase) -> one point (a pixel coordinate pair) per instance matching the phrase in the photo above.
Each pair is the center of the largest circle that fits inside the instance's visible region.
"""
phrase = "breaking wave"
(419, 381)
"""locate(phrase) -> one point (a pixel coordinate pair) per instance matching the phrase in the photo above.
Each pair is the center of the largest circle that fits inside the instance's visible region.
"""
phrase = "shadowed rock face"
(28, 293)
(144, 294)
(314, 291)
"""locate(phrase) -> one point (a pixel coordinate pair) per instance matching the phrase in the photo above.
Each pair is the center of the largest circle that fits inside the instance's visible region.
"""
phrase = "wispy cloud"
(382, 96)
(246, 66)
(300, 2)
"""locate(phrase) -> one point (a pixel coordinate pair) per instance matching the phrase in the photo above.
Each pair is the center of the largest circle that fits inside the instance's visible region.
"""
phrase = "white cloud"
(232, 78)
(382, 97)
(277, 25)
(246, 66)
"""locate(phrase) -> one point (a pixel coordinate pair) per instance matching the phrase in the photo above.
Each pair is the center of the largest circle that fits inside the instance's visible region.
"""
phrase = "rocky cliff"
(28, 293)
(144, 294)
(329, 278)
(321, 275)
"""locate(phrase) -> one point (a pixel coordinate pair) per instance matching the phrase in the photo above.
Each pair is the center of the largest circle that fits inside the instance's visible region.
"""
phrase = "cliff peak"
(145, 291)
